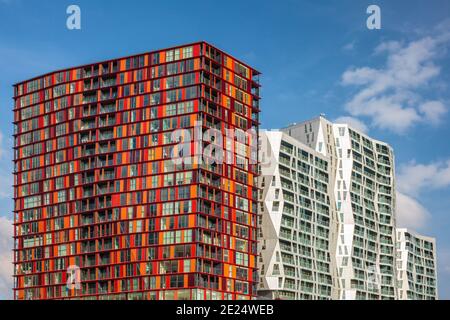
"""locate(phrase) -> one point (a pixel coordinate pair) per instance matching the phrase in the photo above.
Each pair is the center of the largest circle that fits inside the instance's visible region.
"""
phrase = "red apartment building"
(96, 189)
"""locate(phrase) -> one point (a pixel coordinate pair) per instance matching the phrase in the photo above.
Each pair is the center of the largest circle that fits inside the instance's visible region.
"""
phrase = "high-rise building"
(103, 210)
(297, 222)
(416, 266)
(364, 190)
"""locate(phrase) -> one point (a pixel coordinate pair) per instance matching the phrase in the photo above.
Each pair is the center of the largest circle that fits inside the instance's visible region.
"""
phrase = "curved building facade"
(364, 192)
(297, 228)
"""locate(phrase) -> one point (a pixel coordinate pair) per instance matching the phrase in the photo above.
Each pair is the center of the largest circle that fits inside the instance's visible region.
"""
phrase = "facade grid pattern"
(96, 186)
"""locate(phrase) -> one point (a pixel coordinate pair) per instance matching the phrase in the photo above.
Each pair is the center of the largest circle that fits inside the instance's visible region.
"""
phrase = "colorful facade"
(102, 210)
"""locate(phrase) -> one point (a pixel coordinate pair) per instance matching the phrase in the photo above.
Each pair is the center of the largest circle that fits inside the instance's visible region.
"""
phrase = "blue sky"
(315, 56)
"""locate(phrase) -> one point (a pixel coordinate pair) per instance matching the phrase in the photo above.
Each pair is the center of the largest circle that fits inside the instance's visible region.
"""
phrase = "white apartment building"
(362, 177)
(297, 223)
(416, 266)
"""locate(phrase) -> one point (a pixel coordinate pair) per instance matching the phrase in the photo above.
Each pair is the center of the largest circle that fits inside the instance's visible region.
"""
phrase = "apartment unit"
(364, 191)
(416, 266)
(97, 190)
(297, 223)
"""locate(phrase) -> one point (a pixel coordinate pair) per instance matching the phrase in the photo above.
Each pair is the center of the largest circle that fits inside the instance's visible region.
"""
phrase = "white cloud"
(389, 96)
(6, 183)
(352, 122)
(6, 177)
(410, 213)
(349, 46)
(413, 177)
(433, 111)
(388, 46)
(444, 259)
(6, 267)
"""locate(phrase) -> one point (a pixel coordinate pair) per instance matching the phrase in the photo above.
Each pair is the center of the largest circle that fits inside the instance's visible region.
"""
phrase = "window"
(171, 110)
(184, 192)
(185, 121)
(176, 282)
(276, 270)
(60, 129)
(168, 208)
(187, 265)
(61, 196)
(276, 206)
(177, 54)
(133, 171)
(156, 85)
(155, 180)
(132, 184)
(155, 58)
(168, 180)
(31, 202)
(182, 221)
(187, 52)
(241, 258)
(60, 183)
(169, 56)
(191, 92)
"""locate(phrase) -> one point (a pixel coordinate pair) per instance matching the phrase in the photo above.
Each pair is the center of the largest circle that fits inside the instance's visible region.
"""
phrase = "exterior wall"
(365, 202)
(297, 221)
(96, 187)
(416, 266)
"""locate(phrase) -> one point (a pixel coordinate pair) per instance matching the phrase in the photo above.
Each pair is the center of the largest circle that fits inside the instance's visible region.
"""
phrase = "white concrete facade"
(297, 226)
(364, 191)
(366, 256)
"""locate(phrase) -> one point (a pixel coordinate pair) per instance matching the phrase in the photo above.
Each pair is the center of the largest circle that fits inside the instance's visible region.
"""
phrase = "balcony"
(108, 95)
(87, 137)
(87, 124)
(255, 91)
(104, 189)
(88, 151)
(107, 147)
(88, 192)
(108, 174)
(89, 98)
(211, 80)
(106, 134)
(88, 178)
(90, 110)
(107, 121)
(107, 108)
(108, 82)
